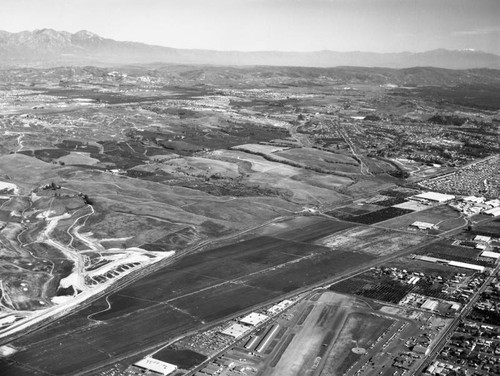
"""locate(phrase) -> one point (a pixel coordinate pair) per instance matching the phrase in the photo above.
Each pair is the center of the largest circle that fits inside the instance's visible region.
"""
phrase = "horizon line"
(256, 51)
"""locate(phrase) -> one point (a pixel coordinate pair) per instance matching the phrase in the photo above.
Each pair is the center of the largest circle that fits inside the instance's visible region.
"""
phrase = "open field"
(371, 241)
(443, 217)
(199, 288)
(490, 228)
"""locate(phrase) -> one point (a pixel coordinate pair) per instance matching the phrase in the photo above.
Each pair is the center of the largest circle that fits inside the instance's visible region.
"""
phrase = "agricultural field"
(377, 215)
(490, 228)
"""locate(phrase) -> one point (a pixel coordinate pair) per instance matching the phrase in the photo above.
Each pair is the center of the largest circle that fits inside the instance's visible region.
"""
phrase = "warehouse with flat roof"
(489, 254)
(235, 330)
(495, 212)
(434, 197)
(430, 305)
(254, 319)
(465, 265)
(156, 366)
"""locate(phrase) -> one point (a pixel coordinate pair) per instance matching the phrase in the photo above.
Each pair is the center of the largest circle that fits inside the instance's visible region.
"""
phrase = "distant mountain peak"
(86, 34)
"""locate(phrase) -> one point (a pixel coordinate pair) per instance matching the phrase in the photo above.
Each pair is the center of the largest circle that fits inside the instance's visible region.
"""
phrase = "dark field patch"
(46, 155)
(348, 212)
(217, 303)
(382, 288)
(103, 97)
(479, 96)
(185, 359)
(145, 328)
(120, 306)
(209, 268)
(190, 139)
(168, 284)
(491, 228)
(314, 231)
(73, 145)
(53, 355)
(379, 216)
(309, 271)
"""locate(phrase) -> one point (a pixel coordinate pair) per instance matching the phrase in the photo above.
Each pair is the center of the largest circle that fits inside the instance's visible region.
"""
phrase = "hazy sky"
(287, 25)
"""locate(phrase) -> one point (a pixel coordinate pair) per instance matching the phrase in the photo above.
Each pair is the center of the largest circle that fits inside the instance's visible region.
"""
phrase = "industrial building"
(495, 212)
(268, 337)
(465, 265)
(430, 305)
(254, 319)
(474, 199)
(156, 366)
(451, 263)
(252, 342)
(433, 197)
(281, 306)
(489, 254)
(235, 330)
(482, 238)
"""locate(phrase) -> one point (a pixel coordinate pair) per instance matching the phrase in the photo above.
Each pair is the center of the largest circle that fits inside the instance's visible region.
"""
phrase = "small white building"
(422, 225)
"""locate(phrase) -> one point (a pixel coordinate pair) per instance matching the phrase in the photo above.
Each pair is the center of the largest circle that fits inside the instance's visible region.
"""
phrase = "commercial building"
(489, 254)
(281, 306)
(495, 212)
(430, 305)
(156, 366)
(434, 197)
(474, 199)
(235, 330)
(254, 319)
(482, 238)
(467, 266)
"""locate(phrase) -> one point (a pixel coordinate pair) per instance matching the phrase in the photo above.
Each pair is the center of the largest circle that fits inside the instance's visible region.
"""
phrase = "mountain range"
(49, 48)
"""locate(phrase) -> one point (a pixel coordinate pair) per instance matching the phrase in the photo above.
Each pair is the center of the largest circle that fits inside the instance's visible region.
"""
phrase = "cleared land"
(371, 241)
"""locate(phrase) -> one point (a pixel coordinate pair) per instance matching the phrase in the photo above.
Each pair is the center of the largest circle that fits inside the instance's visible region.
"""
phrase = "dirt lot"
(372, 241)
